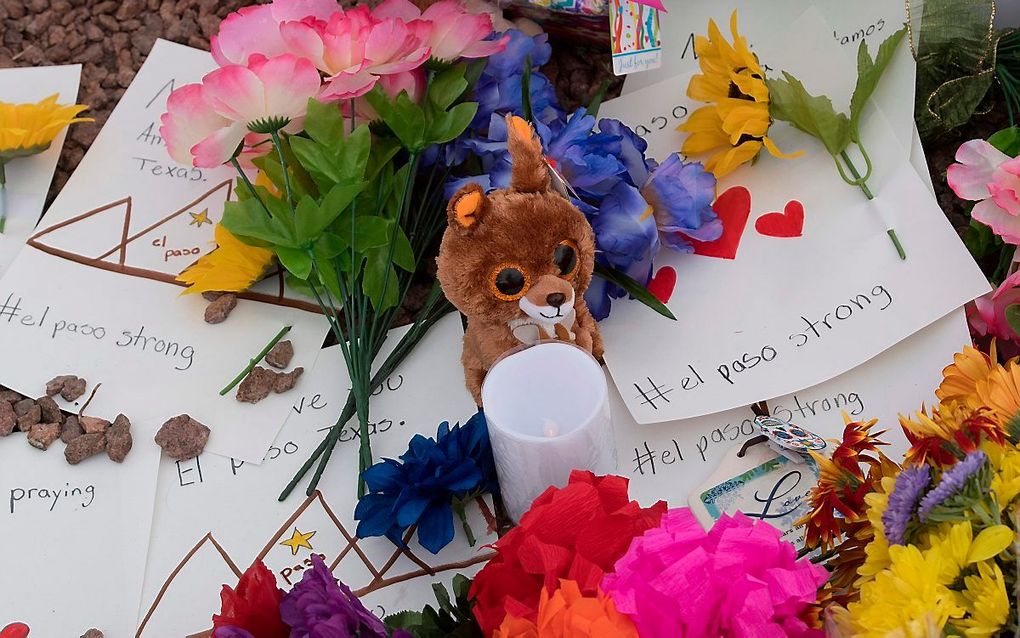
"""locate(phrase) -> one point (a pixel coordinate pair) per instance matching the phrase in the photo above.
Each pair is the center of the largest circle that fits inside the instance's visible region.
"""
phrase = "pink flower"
(991, 178)
(456, 32)
(987, 316)
(356, 47)
(413, 82)
(739, 579)
(205, 123)
(256, 29)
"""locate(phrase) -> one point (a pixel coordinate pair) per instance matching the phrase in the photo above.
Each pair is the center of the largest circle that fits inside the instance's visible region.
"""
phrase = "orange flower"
(952, 430)
(569, 614)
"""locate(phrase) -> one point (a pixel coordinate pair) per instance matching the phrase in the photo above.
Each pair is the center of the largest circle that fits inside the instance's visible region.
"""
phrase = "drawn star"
(298, 540)
(197, 219)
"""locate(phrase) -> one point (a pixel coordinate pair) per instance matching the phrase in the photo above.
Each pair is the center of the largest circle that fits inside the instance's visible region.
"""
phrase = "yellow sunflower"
(231, 267)
(27, 129)
(733, 128)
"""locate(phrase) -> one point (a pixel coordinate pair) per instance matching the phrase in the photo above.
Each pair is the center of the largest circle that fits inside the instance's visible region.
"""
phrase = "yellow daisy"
(986, 602)
(231, 267)
(1005, 461)
(733, 128)
(877, 551)
(27, 129)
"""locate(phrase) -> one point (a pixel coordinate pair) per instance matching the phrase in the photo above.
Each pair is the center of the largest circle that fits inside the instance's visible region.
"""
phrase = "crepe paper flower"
(738, 579)
(986, 175)
(951, 431)
(320, 606)
(205, 123)
(230, 632)
(29, 129)
(985, 601)
(733, 128)
(252, 606)
(952, 481)
(429, 481)
(357, 46)
(567, 613)
(256, 29)
(456, 32)
(576, 532)
(680, 195)
(910, 487)
(232, 266)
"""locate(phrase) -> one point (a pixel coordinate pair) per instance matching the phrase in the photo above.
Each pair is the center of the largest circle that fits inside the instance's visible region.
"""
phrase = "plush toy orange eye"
(509, 282)
(565, 259)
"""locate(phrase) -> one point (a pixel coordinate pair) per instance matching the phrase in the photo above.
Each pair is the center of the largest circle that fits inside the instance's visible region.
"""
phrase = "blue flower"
(681, 195)
(499, 86)
(631, 150)
(421, 487)
(907, 491)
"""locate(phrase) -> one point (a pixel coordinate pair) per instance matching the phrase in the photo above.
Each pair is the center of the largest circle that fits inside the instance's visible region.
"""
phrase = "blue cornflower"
(952, 482)
(420, 488)
(910, 486)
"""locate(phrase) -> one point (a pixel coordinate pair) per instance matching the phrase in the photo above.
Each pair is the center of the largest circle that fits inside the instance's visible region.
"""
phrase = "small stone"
(93, 424)
(8, 418)
(212, 295)
(22, 407)
(73, 389)
(280, 355)
(71, 429)
(92, 633)
(219, 310)
(84, 446)
(56, 384)
(10, 396)
(50, 410)
(257, 385)
(42, 434)
(182, 437)
(118, 439)
(30, 418)
(287, 380)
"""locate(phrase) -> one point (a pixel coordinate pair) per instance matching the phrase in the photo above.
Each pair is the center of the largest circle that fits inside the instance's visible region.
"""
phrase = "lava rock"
(8, 418)
(71, 429)
(287, 380)
(182, 437)
(219, 310)
(10, 396)
(92, 633)
(93, 424)
(118, 439)
(56, 384)
(30, 418)
(257, 385)
(43, 434)
(22, 407)
(84, 446)
(50, 410)
(280, 355)
(73, 389)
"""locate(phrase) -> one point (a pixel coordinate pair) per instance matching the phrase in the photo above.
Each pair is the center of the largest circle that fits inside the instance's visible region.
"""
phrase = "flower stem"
(3, 196)
(863, 184)
(253, 362)
(283, 165)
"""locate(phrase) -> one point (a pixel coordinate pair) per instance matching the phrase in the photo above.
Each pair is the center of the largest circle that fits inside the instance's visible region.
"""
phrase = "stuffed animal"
(517, 261)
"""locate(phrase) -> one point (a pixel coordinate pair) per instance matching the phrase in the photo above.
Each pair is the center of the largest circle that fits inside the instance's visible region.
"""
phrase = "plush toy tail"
(529, 173)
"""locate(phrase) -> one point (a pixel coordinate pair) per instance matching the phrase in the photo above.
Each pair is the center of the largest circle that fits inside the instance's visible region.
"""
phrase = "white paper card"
(28, 178)
(215, 516)
(93, 293)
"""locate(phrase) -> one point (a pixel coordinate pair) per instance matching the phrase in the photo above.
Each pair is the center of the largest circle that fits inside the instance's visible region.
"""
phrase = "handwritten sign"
(195, 550)
(94, 293)
(28, 178)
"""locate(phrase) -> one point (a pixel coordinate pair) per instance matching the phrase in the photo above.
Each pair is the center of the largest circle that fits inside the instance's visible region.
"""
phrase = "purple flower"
(952, 482)
(910, 485)
(321, 607)
(681, 195)
(499, 86)
(227, 631)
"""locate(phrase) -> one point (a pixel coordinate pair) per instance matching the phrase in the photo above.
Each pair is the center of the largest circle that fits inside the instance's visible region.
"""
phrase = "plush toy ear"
(528, 172)
(467, 207)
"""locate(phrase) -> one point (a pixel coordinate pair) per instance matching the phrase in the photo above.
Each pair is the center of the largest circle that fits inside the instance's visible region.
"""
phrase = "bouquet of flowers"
(928, 547)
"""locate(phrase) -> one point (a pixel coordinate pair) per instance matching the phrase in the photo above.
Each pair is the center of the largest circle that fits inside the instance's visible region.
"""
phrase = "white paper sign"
(94, 293)
(74, 537)
(28, 178)
(670, 460)
(215, 516)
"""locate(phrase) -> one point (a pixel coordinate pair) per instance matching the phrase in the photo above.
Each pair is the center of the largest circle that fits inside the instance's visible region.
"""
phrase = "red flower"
(254, 605)
(576, 533)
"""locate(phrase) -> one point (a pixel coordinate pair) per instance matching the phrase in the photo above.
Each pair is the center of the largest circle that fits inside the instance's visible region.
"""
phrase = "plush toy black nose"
(555, 299)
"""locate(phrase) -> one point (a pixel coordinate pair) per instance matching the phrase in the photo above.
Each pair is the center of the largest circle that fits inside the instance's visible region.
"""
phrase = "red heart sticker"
(733, 208)
(662, 284)
(789, 223)
(15, 630)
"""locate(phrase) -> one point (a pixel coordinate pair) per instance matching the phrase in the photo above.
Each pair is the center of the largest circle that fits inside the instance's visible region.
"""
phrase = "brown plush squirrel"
(517, 261)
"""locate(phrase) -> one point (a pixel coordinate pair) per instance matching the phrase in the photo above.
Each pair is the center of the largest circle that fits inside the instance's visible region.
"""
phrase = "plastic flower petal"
(567, 613)
(256, 29)
(252, 606)
(232, 266)
(976, 164)
(992, 179)
(681, 195)
(27, 129)
(456, 32)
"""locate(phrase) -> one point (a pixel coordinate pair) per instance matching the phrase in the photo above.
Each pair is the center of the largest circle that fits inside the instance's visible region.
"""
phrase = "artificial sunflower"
(27, 129)
(231, 267)
(733, 127)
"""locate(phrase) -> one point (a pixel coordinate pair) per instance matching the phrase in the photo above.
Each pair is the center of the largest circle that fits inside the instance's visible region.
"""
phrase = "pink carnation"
(739, 579)
(991, 178)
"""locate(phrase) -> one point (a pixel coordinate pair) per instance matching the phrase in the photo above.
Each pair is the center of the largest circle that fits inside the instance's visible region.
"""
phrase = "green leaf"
(330, 245)
(979, 239)
(1007, 140)
(371, 232)
(327, 274)
(324, 123)
(595, 103)
(635, 289)
(353, 156)
(790, 102)
(296, 260)
(405, 118)
(526, 108)
(403, 254)
(312, 219)
(869, 72)
(248, 219)
(447, 86)
(318, 161)
(403, 620)
(380, 279)
(448, 125)
(1013, 317)
(442, 596)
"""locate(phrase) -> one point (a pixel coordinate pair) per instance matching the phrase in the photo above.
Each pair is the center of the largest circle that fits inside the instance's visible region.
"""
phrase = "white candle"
(547, 407)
